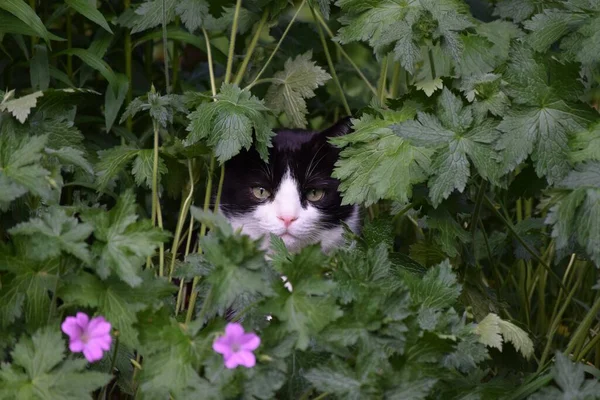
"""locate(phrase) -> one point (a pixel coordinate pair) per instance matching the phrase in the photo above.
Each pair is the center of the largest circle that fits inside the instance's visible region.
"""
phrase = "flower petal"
(246, 358)
(249, 341)
(98, 327)
(71, 328)
(92, 352)
(222, 346)
(234, 329)
(103, 341)
(76, 346)
(82, 319)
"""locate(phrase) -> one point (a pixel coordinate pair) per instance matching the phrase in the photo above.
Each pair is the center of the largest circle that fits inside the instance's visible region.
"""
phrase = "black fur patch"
(310, 159)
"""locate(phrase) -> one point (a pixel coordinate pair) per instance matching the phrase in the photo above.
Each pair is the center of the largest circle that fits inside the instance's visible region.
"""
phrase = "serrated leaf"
(459, 141)
(290, 87)
(376, 164)
(143, 167)
(53, 233)
(24, 292)
(430, 86)
(570, 378)
(20, 171)
(117, 301)
(122, 243)
(578, 213)
(40, 371)
(437, 289)
(193, 13)
(112, 162)
(21, 107)
(227, 123)
(150, 14)
(69, 155)
(517, 336)
(585, 145)
(88, 10)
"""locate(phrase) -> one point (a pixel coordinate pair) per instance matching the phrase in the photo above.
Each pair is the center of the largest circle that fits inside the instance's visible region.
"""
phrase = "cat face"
(294, 195)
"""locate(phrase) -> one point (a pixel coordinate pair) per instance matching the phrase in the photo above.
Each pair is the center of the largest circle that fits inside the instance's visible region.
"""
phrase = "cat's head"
(294, 195)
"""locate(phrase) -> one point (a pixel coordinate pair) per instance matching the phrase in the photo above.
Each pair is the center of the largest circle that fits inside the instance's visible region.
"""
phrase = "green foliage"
(474, 154)
(40, 371)
(291, 86)
(228, 123)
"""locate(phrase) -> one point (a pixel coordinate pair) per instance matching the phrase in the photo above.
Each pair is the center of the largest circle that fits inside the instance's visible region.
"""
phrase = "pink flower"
(237, 346)
(90, 336)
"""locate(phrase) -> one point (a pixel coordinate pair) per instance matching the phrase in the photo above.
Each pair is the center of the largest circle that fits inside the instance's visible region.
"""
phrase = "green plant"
(475, 151)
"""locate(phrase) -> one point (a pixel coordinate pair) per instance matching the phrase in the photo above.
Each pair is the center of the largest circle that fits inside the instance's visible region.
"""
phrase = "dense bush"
(475, 153)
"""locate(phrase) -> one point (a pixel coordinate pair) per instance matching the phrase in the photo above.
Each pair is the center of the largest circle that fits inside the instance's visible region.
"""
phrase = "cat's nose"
(287, 220)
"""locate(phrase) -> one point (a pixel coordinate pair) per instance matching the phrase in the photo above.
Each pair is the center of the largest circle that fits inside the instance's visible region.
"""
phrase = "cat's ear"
(340, 128)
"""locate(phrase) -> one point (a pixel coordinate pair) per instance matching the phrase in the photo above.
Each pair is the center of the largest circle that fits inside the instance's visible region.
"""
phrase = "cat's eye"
(315, 194)
(261, 193)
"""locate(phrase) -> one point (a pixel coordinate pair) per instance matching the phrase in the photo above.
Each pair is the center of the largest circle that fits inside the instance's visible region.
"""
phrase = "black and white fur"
(299, 161)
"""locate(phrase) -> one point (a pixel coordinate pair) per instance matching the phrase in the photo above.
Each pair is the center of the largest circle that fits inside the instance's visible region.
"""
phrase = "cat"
(294, 196)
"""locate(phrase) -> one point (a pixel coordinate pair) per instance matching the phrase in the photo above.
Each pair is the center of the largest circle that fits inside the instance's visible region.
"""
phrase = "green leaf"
(493, 331)
(53, 233)
(338, 379)
(376, 164)
(305, 305)
(161, 108)
(430, 86)
(458, 139)
(517, 10)
(570, 378)
(585, 145)
(150, 14)
(21, 10)
(39, 371)
(193, 13)
(548, 27)
(26, 288)
(143, 168)
(112, 162)
(117, 301)
(113, 100)
(20, 170)
(227, 123)
(405, 27)
(172, 352)
(94, 61)
(11, 24)
(40, 71)
(577, 214)
(290, 87)
(69, 155)
(88, 10)
(437, 289)
(21, 107)
(542, 132)
(122, 243)
(450, 234)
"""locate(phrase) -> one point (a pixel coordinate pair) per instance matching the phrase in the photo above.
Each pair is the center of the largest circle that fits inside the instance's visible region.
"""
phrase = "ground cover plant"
(475, 155)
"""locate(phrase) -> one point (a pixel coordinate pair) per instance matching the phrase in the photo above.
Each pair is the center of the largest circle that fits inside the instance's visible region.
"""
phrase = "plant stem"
(516, 235)
(234, 28)
(432, 64)
(588, 347)
(127, 49)
(331, 67)
(165, 44)
(185, 208)
(557, 315)
(395, 80)
(382, 80)
(341, 49)
(277, 46)
(69, 44)
(251, 47)
(581, 333)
